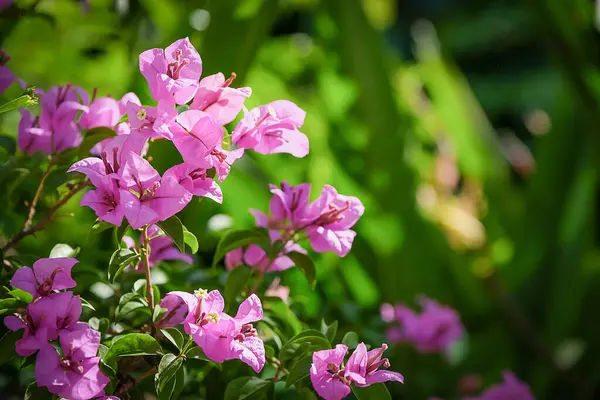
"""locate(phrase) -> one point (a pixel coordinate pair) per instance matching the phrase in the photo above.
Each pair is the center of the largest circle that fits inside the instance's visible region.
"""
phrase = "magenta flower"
(75, 375)
(511, 388)
(129, 97)
(105, 200)
(47, 275)
(210, 328)
(151, 121)
(155, 199)
(195, 135)
(332, 216)
(178, 306)
(255, 256)
(6, 76)
(172, 73)
(436, 329)
(246, 345)
(221, 160)
(103, 111)
(161, 248)
(275, 289)
(195, 181)
(273, 128)
(5, 3)
(217, 99)
(327, 375)
(289, 204)
(368, 364)
(39, 324)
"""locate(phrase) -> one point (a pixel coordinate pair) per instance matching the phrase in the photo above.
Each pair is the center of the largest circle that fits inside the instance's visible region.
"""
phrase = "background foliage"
(468, 129)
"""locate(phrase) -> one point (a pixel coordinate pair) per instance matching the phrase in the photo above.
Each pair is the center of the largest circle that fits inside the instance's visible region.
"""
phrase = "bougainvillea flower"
(246, 345)
(178, 306)
(6, 76)
(222, 102)
(511, 388)
(255, 256)
(129, 97)
(368, 365)
(39, 324)
(67, 309)
(32, 138)
(155, 199)
(76, 374)
(221, 160)
(327, 375)
(195, 135)
(151, 121)
(104, 111)
(436, 329)
(195, 181)
(289, 203)
(275, 289)
(172, 73)
(47, 275)
(162, 248)
(273, 128)
(332, 217)
(210, 328)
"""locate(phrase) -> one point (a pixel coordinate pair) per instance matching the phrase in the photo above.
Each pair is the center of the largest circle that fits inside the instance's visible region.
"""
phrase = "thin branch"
(42, 224)
(37, 196)
(146, 261)
(125, 388)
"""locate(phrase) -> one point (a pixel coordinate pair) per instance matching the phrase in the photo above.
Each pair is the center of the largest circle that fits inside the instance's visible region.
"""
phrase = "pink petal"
(25, 280)
(59, 267)
(85, 343)
(251, 351)
(249, 311)
(137, 213)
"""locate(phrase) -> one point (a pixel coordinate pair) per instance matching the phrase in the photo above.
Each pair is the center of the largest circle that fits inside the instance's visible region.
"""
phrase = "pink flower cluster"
(436, 329)
(219, 335)
(327, 223)
(511, 388)
(161, 248)
(127, 186)
(6, 75)
(332, 381)
(54, 316)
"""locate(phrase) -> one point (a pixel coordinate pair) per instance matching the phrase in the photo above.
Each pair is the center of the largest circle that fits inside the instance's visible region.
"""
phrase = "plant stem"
(38, 194)
(26, 231)
(125, 388)
(146, 261)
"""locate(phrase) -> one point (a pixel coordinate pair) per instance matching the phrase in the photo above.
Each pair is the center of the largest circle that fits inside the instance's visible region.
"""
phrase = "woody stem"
(145, 250)
(38, 194)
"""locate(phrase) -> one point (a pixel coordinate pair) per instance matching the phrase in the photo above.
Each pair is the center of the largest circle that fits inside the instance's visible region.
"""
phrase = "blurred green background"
(468, 128)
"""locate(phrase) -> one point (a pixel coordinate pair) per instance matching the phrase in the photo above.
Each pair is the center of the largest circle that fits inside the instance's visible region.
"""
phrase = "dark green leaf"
(103, 325)
(174, 229)
(8, 143)
(87, 304)
(10, 305)
(120, 232)
(306, 394)
(246, 388)
(7, 345)
(239, 238)
(269, 351)
(159, 312)
(314, 338)
(92, 138)
(131, 344)
(21, 295)
(306, 265)
(168, 367)
(329, 330)
(351, 340)
(174, 336)
(377, 391)
(173, 387)
(63, 250)
(299, 371)
(100, 226)
(190, 240)
(119, 260)
(34, 392)
(236, 280)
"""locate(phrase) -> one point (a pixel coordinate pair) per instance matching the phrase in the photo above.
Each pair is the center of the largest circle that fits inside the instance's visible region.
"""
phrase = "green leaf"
(119, 260)
(120, 232)
(9, 305)
(174, 229)
(131, 344)
(21, 295)
(63, 250)
(236, 280)
(299, 371)
(7, 345)
(100, 226)
(246, 388)
(9, 144)
(329, 330)
(173, 387)
(306, 394)
(159, 312)
(28, 99)
(315, 339)
(92, 138)
(190, 240)
(167, 369)
(306, 265)
(87, 304)
(174, 336)
(34, 392)
(269, 351)
(351, 340)
(377, 391)
(239, 238)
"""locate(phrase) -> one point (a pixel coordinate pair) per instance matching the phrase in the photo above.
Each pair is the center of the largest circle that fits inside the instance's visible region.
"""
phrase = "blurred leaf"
(351, 340)
(34, 392)
(246, 388)
(377, 391)
(329, 330)
(7, 345)
(100, 226)
(62, 250)
(306, 265)
(30, 98)
(236, 281)
(21, 295)
(10, 305)
(175, 230)
(239, 238)
(190, 240)
(92, 138)
(9, 144)
(120, 259)
(299, 371)
(315, 338)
